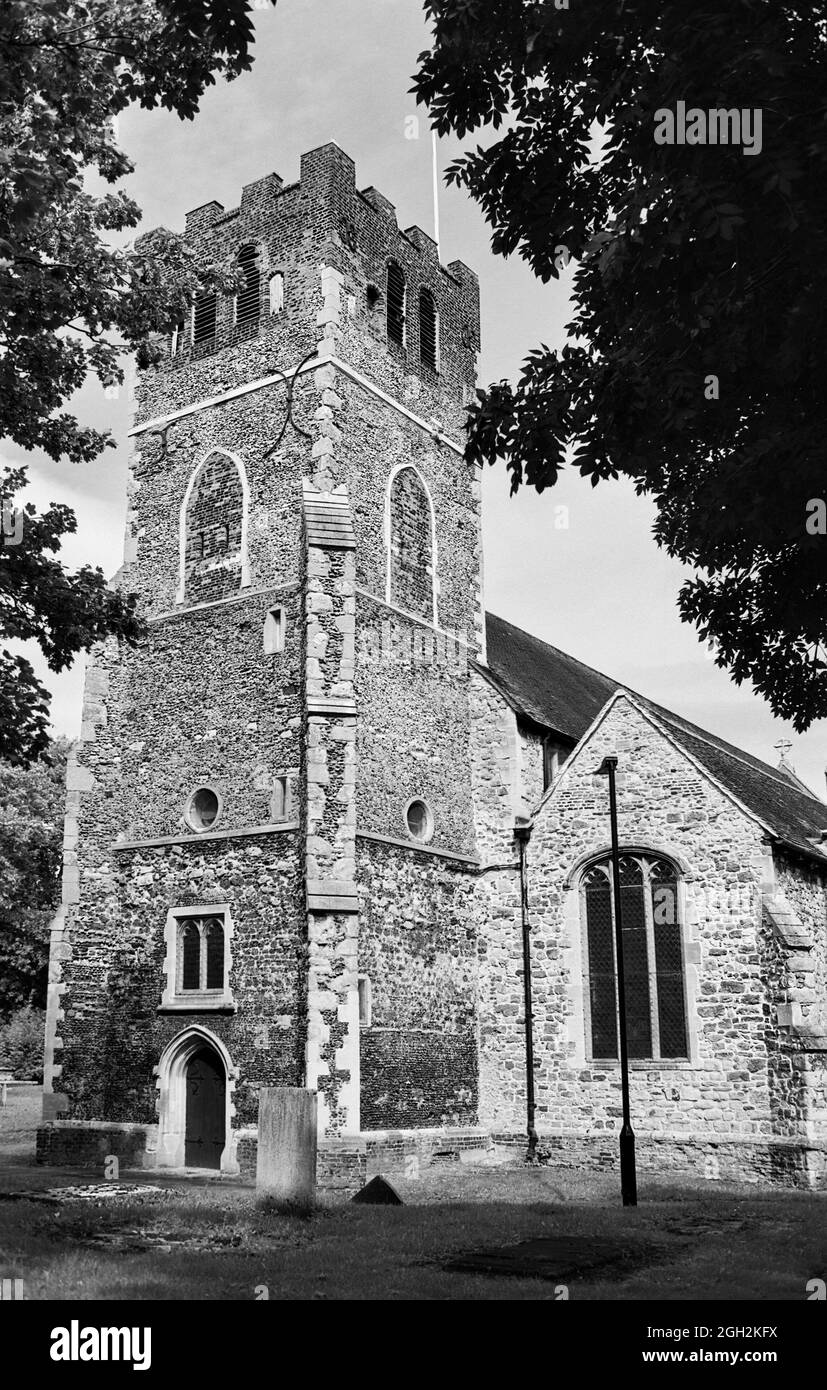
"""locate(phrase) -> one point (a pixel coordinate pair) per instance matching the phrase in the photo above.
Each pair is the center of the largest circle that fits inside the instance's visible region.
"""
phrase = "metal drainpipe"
(523, 834)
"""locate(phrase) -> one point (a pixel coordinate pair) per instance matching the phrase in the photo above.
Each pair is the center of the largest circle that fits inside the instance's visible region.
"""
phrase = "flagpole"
(436, 194)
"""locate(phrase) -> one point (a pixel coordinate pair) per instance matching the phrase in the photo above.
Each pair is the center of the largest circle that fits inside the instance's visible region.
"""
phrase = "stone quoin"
(290, 855)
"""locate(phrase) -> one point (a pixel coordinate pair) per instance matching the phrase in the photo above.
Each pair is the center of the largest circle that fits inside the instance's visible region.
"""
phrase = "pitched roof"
(543, 683)
(565, 696)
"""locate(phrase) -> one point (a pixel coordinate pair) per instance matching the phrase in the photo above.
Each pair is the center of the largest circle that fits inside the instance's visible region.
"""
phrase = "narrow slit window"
(396, 304)
(281, 802)
(276, 293)
(274, 630)
(428, 331)
(364, 1001)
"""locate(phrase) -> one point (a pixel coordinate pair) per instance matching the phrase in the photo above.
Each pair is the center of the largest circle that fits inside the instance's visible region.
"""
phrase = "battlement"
(328, 179)
(396, 310)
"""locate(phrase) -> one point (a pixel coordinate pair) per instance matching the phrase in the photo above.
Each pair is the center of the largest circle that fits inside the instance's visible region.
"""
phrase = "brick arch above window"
(411, 544)
(213, 560)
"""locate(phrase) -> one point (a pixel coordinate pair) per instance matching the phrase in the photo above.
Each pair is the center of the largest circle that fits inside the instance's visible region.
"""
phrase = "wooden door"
(206, 1110)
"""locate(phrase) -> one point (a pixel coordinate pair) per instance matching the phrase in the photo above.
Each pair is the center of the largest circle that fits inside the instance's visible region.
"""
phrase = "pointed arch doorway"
(196, 1078)
(206, 1105)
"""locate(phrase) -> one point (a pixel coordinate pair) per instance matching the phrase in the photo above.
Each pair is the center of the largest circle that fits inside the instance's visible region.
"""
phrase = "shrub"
(21, 1044)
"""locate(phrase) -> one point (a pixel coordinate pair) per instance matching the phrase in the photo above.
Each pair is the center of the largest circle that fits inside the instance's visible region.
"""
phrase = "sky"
(599, 588)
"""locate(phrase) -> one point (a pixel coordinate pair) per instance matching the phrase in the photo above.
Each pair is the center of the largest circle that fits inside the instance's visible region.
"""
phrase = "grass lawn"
(216, 1241)
(19, 1119)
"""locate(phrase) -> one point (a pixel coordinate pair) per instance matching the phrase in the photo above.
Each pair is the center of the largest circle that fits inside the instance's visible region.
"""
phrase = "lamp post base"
(628, 1175)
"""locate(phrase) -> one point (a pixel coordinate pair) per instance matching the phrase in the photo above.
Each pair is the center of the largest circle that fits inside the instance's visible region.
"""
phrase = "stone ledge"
(279, 828)
(332, 895)
(417, 848)
(331, 705)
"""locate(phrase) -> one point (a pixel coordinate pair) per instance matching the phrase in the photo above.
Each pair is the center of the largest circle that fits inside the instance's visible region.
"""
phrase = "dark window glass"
(602, 991)
(652, 959)
(419, 822)
(191, 957)
(668, 961)
(215, 955)
(635, 959)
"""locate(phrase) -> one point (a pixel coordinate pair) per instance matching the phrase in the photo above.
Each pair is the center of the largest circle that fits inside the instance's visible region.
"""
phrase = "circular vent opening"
(203, 809)
(419, 820)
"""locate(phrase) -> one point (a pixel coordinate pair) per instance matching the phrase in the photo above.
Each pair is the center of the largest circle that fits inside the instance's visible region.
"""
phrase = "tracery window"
(201, 955)
(652, 958)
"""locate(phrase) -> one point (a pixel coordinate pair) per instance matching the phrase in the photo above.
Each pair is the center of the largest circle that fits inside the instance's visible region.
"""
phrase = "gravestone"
(378, 1192)
(286, 1156)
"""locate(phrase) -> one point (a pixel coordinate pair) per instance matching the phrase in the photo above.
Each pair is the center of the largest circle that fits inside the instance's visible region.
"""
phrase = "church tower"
(269, 845)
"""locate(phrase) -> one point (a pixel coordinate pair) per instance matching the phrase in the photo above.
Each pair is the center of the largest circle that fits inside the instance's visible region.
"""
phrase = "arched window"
(204, 319)
(428, 331)
(248, 298)
(191, 956)
(411, 561)
(214, 941)
(213, 526)
(201, 954)
(396, 295)
(652, 958)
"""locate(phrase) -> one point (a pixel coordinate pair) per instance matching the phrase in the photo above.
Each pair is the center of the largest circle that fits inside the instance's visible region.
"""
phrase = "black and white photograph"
(413, 673)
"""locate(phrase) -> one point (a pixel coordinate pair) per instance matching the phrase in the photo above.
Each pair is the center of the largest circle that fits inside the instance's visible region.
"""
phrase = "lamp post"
(523, 833)
(628, 1177)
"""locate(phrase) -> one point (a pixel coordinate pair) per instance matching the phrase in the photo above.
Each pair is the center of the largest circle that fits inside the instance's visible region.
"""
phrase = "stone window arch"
(653, 958)
(171, 1082)
(411, 544)
(213, 530)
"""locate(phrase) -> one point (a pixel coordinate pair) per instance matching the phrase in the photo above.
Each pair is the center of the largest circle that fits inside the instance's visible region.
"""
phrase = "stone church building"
(305, 813)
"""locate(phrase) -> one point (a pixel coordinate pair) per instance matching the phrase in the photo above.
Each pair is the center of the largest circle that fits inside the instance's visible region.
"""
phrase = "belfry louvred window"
(428, 347)
(248, 298)
(203, 318)
(652, 959)
(396, 304)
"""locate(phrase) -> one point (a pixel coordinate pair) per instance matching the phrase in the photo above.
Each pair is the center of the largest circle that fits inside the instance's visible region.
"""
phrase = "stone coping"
(280, 829)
